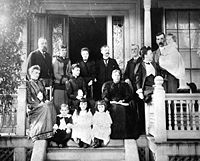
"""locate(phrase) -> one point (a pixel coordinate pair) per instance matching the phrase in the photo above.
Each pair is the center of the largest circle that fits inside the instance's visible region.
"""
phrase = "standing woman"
(61, 69)
(42, 115)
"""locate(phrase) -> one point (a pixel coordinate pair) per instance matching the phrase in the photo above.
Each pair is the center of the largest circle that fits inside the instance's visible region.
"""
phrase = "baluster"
(193, 115)
(188, 115)
(169, 114)
(198, 102)
(181, 115)
(175, 116)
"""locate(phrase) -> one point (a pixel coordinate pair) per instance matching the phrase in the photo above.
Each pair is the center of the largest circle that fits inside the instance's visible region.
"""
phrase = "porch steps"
(115, 151)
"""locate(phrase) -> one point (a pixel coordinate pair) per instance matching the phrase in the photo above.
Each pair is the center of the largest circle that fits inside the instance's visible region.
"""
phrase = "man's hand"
(40, 96)
(90, 83)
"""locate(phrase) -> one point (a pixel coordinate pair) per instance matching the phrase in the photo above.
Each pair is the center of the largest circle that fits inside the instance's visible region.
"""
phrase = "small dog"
(193, 87)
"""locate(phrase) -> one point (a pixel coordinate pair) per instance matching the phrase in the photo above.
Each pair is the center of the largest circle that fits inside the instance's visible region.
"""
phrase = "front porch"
(172, 128)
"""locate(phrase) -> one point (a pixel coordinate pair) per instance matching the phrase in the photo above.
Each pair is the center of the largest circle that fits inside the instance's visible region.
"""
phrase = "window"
(118, 39)
(185, 25)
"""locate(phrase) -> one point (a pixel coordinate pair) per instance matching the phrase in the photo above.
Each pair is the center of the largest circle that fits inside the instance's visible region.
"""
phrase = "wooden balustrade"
(183, 116)
(173, 116)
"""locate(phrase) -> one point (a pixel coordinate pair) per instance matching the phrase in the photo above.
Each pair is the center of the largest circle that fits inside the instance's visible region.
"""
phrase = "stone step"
(86, 154)
(112, 143)
(114, 151)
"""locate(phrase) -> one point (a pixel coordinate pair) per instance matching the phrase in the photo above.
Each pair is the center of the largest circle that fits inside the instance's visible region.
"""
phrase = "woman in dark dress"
(76, 88)
(118, 96)
(41, 112)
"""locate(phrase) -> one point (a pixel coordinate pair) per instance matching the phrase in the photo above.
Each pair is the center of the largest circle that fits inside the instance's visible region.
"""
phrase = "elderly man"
(43, 59)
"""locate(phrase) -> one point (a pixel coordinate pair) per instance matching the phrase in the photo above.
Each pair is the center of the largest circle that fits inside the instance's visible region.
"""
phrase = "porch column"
(21, 108)
(147, 22)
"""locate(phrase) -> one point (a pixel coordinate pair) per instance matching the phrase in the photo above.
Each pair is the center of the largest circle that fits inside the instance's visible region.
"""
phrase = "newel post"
(21, 109)
(159, 110)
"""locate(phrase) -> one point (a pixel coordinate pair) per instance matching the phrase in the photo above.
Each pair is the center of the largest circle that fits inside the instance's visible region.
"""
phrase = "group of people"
(92, 100)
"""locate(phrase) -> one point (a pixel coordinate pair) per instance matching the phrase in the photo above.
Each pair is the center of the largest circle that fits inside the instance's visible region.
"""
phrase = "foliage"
(14, 14)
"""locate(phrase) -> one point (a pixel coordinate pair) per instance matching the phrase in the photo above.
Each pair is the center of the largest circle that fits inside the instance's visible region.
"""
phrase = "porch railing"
(173, 116)
(8, 108)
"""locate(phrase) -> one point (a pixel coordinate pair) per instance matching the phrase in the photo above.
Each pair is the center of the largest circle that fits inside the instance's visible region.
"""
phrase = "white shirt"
(149, 69)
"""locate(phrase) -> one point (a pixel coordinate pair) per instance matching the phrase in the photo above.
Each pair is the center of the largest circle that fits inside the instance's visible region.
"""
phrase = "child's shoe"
(85, 145)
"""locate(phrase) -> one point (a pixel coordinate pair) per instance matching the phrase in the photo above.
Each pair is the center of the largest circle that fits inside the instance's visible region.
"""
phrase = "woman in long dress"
(41, 112)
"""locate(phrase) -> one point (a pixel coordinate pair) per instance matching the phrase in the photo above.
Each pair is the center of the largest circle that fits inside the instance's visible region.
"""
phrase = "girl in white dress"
(101, 125)
(82, 122)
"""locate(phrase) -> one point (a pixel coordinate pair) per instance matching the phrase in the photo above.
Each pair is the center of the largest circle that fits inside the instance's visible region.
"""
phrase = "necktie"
(106, 61)
(44, 54)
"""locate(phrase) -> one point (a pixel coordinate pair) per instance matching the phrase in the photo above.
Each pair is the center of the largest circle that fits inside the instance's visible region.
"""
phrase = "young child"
(62, 128)
(171, 60)
(101, 125)
(82, 122)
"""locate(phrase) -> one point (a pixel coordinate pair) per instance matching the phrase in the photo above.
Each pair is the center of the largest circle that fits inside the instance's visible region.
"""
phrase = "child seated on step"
(82, 122)
(101, 125)
(62, 128)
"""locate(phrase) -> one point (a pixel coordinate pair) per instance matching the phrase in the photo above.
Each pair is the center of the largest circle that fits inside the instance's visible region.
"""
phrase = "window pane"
(118, 39)
(186, 57)
(183, 37)
(171, 19)
(195, 19)
(57, 35)
(195, 60)
(195, 38)
(183, 20)
(196, 77)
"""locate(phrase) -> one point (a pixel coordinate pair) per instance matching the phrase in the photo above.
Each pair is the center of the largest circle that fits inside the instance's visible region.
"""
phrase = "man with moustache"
(104, 68)
(43, 59)
(160, 41)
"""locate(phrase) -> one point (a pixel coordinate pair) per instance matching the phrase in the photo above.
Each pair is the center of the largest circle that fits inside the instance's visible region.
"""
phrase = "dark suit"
(45, 63)
(104, 73)
(143, 81)
(130, 71)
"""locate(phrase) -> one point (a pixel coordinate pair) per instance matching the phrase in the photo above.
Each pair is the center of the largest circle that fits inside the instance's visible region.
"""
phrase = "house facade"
(120, 23)
(93, 23)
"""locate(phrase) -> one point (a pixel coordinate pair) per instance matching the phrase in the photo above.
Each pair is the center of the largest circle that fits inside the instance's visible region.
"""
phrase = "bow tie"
(147, 63)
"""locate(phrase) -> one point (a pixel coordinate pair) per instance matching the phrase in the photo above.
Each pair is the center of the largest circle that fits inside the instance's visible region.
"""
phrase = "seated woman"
(118, 94)
(41, 112)
(76, 88)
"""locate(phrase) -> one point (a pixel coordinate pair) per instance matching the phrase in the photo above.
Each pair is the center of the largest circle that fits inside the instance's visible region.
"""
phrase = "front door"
(86, 32)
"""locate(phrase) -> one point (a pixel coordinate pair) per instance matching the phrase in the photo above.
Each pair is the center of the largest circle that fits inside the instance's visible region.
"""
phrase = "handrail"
(173, 115)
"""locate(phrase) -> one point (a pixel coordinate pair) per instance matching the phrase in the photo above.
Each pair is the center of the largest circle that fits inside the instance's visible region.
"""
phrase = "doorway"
(86, 32)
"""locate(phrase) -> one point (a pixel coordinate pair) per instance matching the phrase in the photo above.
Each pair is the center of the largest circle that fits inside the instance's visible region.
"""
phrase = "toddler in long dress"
(62, 128)
(171, 60)
(82, 122)
(101, 125)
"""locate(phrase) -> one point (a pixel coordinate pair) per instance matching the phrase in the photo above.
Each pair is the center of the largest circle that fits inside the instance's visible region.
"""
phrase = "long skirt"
(42, 119)
(59, 97)
(118, 127)
(126, 124)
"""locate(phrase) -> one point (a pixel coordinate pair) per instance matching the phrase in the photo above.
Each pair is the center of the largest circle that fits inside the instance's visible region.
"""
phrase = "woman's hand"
(79, 94)
(40, 96)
